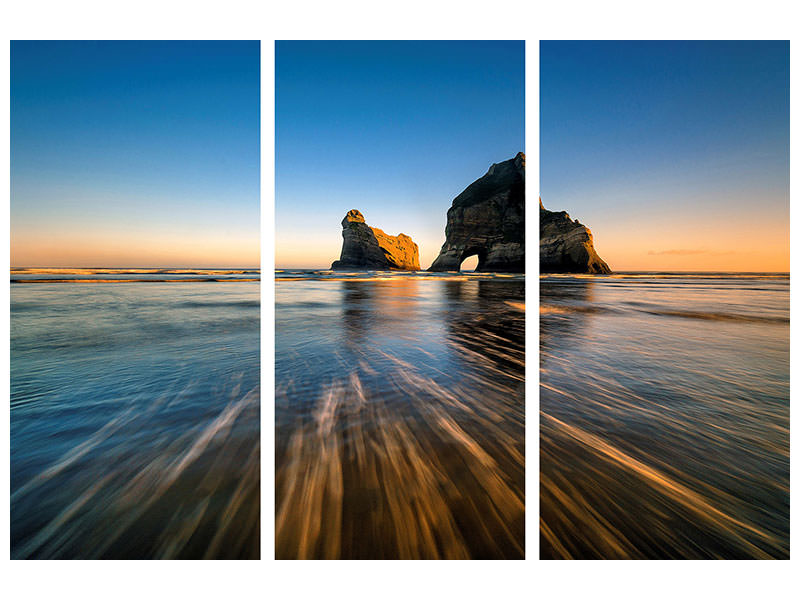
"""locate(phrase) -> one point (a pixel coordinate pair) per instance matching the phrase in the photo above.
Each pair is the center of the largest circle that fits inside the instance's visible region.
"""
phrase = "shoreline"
(187, 280)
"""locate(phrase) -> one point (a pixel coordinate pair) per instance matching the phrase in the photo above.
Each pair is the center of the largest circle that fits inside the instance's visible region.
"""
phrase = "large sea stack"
(488, 219)
(366, 247)
(566, 246)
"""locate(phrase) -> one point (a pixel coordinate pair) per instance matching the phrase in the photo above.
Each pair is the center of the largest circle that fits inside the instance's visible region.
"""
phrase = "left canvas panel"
(135, 300)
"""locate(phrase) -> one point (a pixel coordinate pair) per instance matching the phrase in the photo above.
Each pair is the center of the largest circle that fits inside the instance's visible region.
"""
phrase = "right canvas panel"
(664, 291)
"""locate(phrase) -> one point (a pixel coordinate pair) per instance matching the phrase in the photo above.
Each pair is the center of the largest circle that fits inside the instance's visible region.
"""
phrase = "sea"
(135, 414)
(399, 415)
(664, 416)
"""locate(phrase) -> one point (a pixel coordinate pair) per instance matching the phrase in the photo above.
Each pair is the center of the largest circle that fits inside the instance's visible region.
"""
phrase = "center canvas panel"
(400, 300)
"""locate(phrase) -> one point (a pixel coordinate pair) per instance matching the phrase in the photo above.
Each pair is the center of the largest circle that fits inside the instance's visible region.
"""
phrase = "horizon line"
(129, 267)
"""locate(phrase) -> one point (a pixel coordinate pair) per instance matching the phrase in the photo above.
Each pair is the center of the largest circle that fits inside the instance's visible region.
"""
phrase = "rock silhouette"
(488, 219)
(366, 247)
(566, 246)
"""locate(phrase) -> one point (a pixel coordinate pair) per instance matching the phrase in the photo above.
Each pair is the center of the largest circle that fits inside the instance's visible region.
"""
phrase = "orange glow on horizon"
(306, 251)
(98, 249)
(764, 248)
(726, 233)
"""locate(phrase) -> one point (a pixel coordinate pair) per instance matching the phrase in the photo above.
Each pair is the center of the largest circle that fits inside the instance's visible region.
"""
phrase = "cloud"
(687, 252)
(678, 252)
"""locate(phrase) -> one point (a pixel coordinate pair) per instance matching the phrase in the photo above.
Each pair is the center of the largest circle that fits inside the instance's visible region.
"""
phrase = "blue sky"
(394, 129)
(675, 154)
(135, 153)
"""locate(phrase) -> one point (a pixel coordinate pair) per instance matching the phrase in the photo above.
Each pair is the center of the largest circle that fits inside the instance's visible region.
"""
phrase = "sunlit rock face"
(366, 247)
(488, 219)
(566, 246)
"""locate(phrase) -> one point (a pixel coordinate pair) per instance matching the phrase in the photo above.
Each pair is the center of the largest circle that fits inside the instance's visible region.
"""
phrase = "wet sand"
(400, 418)
(664, 416)
(135, 428)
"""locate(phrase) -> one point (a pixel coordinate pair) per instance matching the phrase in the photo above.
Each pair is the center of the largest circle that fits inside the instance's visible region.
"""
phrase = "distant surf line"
(128, 271)
(668, 275)
(186, 280)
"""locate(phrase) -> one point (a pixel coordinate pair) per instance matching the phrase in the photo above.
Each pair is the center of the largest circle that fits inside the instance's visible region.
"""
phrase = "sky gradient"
(135, 154)
(393, 129)
(674, 154)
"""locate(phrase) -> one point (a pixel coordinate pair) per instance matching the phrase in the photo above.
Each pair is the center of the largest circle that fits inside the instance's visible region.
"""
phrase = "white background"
(413, 19)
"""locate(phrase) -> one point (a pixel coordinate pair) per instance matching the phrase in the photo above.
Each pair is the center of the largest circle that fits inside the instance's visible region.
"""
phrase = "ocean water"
(664, 416)
(399, 409)
(134, 414)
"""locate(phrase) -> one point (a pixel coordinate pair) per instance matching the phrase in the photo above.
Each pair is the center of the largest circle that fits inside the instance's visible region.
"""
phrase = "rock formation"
(366, 247)
(488, 219)
(565, 246)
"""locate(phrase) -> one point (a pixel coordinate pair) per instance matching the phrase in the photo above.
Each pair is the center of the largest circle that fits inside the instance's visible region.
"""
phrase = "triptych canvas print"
(403, 382)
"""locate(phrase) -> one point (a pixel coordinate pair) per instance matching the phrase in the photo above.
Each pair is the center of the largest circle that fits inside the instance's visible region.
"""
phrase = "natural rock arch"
(488, 219)
(480, 253)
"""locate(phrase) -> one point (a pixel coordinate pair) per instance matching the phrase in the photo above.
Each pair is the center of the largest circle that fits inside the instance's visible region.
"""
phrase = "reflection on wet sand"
(664, 436)
(558, 301)
(400, 419)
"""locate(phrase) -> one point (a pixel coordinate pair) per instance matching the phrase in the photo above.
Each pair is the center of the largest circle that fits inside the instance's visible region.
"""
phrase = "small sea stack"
(566, 246)
(367, 248)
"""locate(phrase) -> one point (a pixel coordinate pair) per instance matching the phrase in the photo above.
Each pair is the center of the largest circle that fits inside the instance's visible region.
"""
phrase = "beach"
(135, 414)
(399, 409)
(664, 415)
